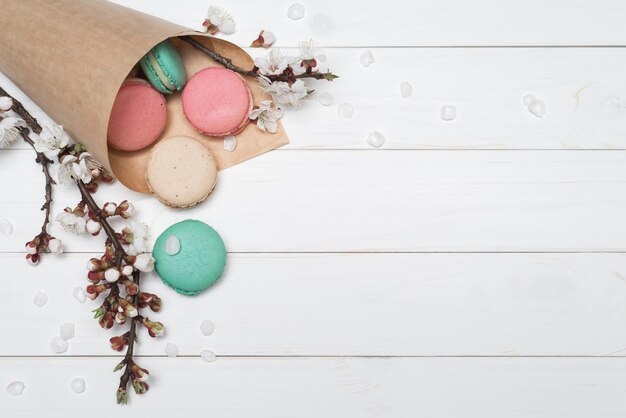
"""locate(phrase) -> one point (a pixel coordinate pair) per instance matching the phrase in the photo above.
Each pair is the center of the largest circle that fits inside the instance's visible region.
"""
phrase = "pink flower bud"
(111, 275)
(120, 318)
(55, 246)
(93, 227)
(118, 343)
(33, 259)
(31, 247)
(109, 208)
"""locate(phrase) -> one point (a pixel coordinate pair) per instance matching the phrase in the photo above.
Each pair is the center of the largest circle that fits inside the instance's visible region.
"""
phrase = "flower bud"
(111, 275)
(155, 329)
(127, 270)
(33, 259)
(55, 246)
(93, 227)
(120, 318)
(126, 209)
(31, 247)
(118, 343)
(109, 208)
(6, 103)
(107, 320)
(94, 265)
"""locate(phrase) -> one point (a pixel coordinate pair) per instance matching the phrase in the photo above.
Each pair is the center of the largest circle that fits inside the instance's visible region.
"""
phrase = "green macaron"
(164, 68)
(189, 256)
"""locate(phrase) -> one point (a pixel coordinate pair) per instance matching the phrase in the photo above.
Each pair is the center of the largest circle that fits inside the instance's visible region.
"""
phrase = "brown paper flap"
(71, 57)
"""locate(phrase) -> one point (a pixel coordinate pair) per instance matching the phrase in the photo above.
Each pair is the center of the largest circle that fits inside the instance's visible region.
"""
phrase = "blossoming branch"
(116, 274)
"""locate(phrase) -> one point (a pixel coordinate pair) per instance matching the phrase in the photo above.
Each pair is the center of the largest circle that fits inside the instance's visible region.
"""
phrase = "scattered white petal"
(207, 327)
(79, 295)
(16, 388)
(67, 331)
(528, 99)
(376, 139)
(58, 345)
(6, 227)
(367, 58)
(326, 99)
(537, 108)
(448, 112)
(172, 245)
(78, 385)
(230, 143)
(345, 110)
(208, 356)
(171, 350)
(406, 89)
(296, 11)
(41, 298)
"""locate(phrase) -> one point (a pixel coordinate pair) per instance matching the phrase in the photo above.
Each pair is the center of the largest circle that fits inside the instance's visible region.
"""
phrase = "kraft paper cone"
(72, 56)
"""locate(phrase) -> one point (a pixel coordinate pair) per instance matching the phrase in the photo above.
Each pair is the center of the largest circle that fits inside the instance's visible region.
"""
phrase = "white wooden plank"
(346, 201)
(326, 387)
(413, 23)
(349, 304)
(584, 90)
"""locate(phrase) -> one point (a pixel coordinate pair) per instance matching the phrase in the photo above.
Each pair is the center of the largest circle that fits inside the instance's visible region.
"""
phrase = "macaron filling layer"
(167, 82)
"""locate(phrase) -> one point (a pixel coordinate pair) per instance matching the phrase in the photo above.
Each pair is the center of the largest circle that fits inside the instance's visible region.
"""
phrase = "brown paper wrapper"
(71, 57)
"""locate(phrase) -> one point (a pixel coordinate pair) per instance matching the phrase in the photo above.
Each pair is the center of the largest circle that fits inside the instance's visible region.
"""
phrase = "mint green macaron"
(189, 256)
(164, 68)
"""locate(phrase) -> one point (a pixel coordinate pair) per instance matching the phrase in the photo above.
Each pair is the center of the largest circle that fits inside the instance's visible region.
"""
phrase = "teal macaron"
(189, 257)
(164, 68)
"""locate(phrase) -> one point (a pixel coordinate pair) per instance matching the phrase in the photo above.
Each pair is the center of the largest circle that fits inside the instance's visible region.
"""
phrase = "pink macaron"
(217, 101)
(138, 118)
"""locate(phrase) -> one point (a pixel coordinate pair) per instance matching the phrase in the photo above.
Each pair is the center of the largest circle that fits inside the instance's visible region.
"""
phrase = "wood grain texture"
(349, 304)
(370, 201)
(584, 90)
(327, 387)
(413, 23)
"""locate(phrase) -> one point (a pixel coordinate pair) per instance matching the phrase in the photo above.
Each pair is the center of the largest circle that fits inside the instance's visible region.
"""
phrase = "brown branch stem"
(44, 162)
(254, 72)
(19, 108)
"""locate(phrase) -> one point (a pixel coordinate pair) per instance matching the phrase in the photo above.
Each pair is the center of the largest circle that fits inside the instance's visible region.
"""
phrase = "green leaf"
(98, 312)
(330, 76)
(119, 366)
(122, 397)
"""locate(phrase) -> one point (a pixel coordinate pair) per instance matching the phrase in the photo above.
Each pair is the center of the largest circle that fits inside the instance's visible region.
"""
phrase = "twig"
(45, 168)
(286, 76)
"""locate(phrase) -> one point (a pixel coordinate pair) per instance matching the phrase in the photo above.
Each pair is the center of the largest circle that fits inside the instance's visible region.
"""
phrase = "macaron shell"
(217, 102)
(199, 262)
(164, 68)
(138, 118)
(181, 172)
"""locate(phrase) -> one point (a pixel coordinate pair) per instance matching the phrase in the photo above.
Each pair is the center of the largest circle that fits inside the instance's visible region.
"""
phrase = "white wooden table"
(473, 268)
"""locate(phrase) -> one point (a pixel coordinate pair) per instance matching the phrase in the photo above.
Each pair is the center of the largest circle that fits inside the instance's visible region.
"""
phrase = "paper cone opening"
(72, 56)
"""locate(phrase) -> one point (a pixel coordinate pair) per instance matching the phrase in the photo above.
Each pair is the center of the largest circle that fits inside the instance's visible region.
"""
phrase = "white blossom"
(6, 103)
(72, 222)
(8, 130)
(109, 208)
(220, 19)
(310, 51)
(55, 246)
(137, 234)
(51, 141)
(144, 262)
(285, 94)
(274, 63)
(267, 116)
(74, 168)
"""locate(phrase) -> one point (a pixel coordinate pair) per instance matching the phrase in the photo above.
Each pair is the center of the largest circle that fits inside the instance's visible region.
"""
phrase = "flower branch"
(116, 275)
